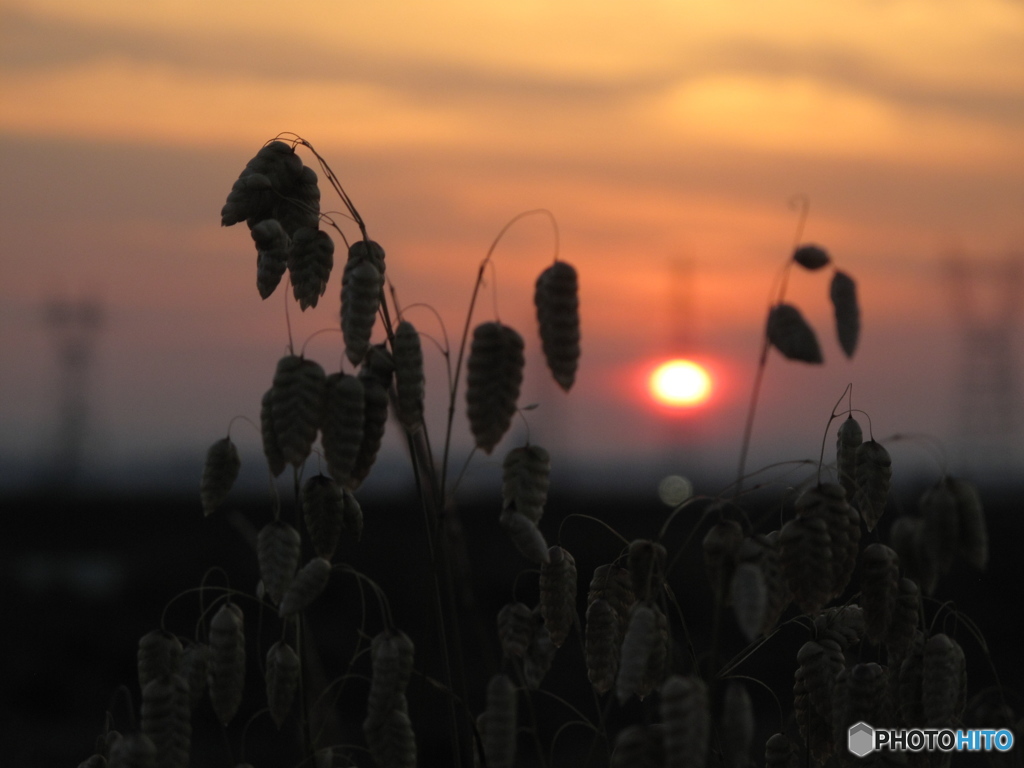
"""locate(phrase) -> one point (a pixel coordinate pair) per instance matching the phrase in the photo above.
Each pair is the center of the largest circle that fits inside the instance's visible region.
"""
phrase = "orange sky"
(655, 131)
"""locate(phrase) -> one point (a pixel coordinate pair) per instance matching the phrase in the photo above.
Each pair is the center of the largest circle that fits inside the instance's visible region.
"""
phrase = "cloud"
(911, 76)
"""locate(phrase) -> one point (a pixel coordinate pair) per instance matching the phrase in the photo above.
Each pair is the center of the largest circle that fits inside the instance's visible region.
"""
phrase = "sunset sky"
(668, 139)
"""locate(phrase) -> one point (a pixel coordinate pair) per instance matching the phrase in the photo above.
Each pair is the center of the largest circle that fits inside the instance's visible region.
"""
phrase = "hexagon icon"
(860, 739)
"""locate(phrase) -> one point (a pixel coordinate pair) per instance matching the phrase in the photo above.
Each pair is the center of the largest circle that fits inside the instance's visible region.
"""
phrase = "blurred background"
(669, 139)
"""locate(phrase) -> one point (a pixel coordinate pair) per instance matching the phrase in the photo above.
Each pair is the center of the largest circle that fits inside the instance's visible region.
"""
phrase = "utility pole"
(74, 326)
(987, 305)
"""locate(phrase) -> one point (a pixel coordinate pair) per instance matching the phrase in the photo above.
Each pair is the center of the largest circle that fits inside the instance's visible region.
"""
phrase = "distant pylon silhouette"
(74, 326)
(987, 305)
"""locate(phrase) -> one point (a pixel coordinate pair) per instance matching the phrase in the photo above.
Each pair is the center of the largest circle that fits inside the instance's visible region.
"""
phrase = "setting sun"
(680, 383)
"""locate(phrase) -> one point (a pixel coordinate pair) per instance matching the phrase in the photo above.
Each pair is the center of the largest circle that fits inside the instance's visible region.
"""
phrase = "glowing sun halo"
(680, 384)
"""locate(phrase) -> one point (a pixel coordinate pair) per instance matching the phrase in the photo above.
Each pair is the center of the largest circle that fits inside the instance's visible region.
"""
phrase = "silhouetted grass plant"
(877, 646)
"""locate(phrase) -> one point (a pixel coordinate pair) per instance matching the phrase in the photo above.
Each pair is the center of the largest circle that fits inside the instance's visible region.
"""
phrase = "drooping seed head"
(159, 655)
(494, 375)
(361, 285)
(843, 292)
(526, 477)
(219, 474)
(603, 644)
(341, 434)
(737, 720)
(637, 646)
(515, 628)
(310, 260)
(166, 718)
(848, 439)
(282, 680)
(540, 653)
(684, 709)
(558, 593)
(646, 561)
(195, 662)
(501, 718)
(721, 545)
(791, 335)
(811, 257)
(226, 668)
(323, 506)
(940, 680)
(525, 535)
(375, 418)
(614, 584)
(278, 548)
(297, 406)
(370, 250)
(879, 587)
(805, 556)
(557, 300)
(272, 248)
(874, 476)
(409, 381)
(306, 587)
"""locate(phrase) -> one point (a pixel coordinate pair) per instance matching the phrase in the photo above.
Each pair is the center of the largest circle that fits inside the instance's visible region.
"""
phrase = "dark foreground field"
(84, 577)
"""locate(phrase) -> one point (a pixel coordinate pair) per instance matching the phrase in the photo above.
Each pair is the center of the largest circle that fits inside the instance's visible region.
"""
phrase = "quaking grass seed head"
(282, 676)
(323, 510)
(843, 292)
(848, 439)
(646, 561)
(159, 655)
(494, 375)
(639, 643)
(792, 335)
(361, 285)
(526, 478)
(297, 406)
(603, 636)
(515, 628)
(501, 722)
(278, 548)
(526, 536)
(166, 719)
(685, 711)
(226, 668)
(557, 300)
(375, 415)
(805, 556)
(737, 720)
(219, 474)
(874, 476)
(369, 250)
(272, 248)
(341, 434)
(540, 654)
(721, 545)
(558, 593)
(811, 257)
(410, 385)
(310, 260)
(879, 587)
(306, 587)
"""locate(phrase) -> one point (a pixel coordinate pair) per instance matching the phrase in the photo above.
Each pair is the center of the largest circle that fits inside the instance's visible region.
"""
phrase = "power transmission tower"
(987, 304)
(74, 327)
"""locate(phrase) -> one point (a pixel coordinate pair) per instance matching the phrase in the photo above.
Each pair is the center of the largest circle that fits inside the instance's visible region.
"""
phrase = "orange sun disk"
(680, 384)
